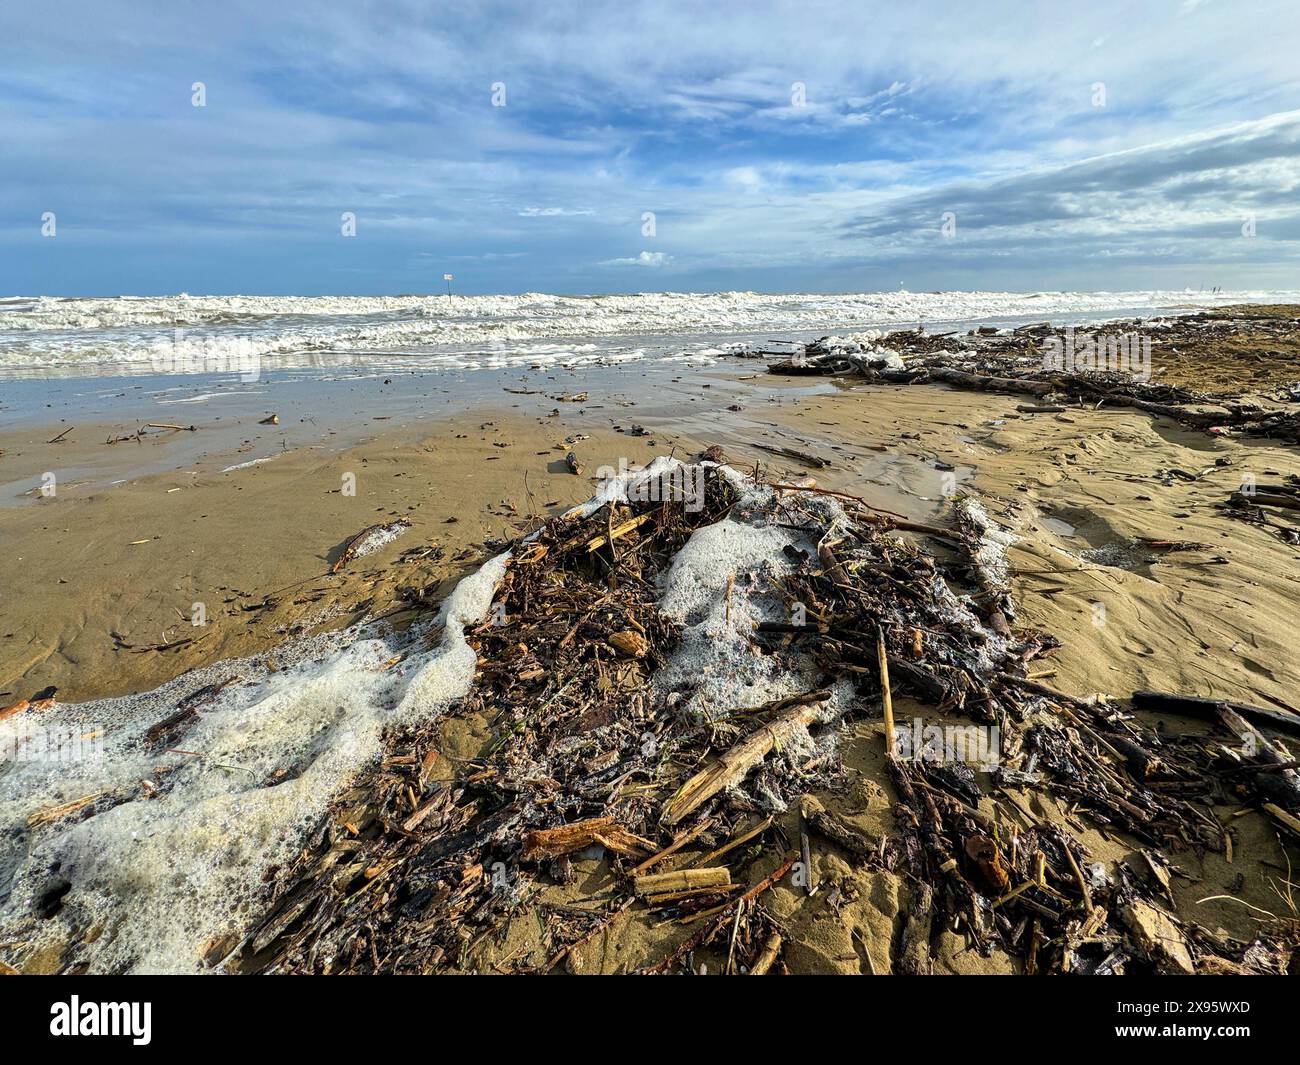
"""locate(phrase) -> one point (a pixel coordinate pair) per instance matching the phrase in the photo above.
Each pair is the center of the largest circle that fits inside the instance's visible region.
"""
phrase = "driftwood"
(886, 696)
(914, 956)
(565, 839)
(618, 531)
(771, 950)
(985, 383)
(1282, 785)
(735, 765)
(839, 831)
(798, 456)
(1208, 709)
(1289, 821)
(682, 880)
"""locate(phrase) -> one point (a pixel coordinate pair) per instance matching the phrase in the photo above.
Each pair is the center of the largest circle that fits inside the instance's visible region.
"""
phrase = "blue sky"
(780, 147)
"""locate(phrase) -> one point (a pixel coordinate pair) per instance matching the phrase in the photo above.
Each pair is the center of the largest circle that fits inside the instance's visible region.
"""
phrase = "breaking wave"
(172, 333)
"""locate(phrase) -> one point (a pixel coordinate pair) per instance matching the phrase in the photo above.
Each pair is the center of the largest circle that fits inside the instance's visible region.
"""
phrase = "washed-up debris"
(1208, 709)
(565, 839)
(664, 674)
(370, 540)
(1158, 935)
(1268, 505)
(792, 453)
(141, 433)
(607, 732)
(1031, 362)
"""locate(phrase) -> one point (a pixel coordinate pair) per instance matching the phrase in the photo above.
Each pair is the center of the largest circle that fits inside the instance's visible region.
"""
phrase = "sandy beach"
(239, 525)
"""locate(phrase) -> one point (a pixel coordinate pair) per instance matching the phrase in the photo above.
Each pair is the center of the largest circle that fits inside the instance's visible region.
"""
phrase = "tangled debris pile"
(1167, 366)
(1268, 505)
(665, 672)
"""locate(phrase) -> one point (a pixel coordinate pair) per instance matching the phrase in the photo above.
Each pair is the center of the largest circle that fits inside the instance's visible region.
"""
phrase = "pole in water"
(448, 279)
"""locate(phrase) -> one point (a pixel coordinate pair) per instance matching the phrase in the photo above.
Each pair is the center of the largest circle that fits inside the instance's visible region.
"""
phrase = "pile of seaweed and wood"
(418, 870)
(1227, 370)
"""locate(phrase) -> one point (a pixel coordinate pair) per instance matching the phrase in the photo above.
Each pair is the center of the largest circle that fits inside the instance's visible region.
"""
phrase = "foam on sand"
(176, 855)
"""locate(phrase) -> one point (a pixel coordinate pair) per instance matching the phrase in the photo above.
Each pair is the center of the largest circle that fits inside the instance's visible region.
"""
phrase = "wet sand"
(104, 584)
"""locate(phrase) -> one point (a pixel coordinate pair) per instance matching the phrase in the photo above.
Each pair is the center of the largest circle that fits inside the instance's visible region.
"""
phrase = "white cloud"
(552, 212)
(646, 258)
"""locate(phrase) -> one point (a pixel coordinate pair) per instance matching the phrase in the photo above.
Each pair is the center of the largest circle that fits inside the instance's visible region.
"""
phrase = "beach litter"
(1114, 370)
(369, 540)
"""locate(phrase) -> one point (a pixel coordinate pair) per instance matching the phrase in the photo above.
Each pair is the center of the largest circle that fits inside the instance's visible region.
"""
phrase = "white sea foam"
(181, 857)
(233, 333)
(716, 662)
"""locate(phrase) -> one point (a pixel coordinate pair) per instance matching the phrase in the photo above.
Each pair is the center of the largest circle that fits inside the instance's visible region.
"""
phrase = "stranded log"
(1208, 709)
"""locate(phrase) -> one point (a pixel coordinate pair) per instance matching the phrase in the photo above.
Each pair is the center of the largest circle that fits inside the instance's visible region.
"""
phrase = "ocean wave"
(176, 333)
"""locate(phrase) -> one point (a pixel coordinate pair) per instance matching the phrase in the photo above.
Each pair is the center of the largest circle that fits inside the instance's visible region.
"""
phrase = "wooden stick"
(914, 953)
(790, 453)
(758, 829)
(1208, 709)
(719, 876)
(620, 530)
(1079, 878)
(1289, 820)
(669, 898)
(886, 697)
(1267, 753)
(564, 952)
(672, 848)
(839, 832)
(805, 852)
(771, 949)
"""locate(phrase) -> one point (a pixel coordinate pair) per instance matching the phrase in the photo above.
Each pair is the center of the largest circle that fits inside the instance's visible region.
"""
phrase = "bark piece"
(565, 839)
